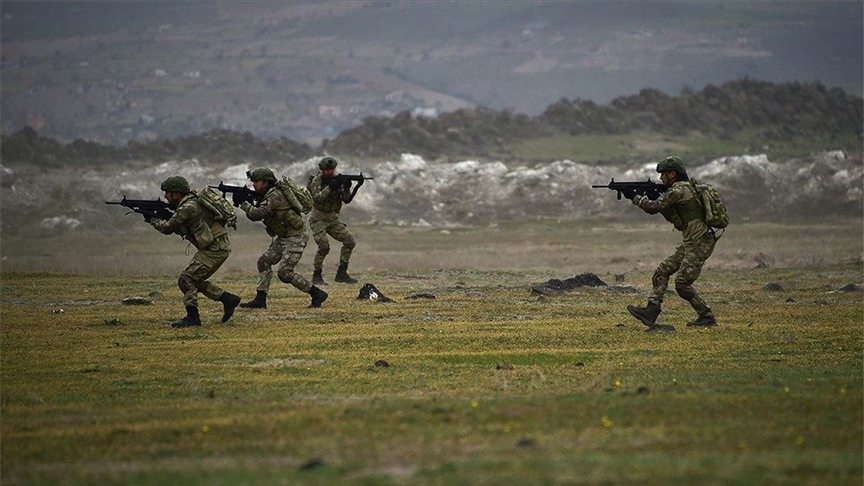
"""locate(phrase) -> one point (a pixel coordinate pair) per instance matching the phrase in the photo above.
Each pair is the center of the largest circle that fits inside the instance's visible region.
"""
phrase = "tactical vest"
(332, 203)
(684, 211)
(278, 222)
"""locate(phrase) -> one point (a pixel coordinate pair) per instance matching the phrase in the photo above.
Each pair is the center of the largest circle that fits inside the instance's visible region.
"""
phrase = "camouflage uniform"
(680, 206)
(198, 225)
(324, 220)
(290, 237)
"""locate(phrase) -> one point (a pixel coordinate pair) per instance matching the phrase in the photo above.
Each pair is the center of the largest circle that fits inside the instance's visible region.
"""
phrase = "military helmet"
(671, 163)
(327, 163)
(261, 174)
(176, 184)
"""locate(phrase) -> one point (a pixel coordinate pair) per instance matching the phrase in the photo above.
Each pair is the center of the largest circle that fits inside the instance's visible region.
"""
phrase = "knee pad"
(685, 291)
(660, 275)
(349, 243)
(263, 263)
(186, 283)
(285, 275)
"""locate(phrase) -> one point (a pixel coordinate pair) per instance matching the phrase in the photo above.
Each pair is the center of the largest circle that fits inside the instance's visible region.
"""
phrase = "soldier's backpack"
(716, 214)
(298, 196)
(219, 206)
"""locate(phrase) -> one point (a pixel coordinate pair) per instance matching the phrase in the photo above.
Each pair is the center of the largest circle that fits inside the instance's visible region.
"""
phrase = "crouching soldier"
(328, 197)
(681, 206)
(197, 224)
(288, 230)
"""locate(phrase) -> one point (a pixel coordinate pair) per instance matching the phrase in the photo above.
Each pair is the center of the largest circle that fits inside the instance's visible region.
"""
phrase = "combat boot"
(259, 302)
(318, 296)
(703, 321)
(191, 319)
(229, 303)
(342, 274)
(317, 279)
(647, 315)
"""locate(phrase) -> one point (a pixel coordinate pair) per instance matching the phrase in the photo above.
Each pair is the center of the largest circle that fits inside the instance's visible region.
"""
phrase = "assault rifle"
(243, 193)
(346, 179)
(652, 190)
(158, 208)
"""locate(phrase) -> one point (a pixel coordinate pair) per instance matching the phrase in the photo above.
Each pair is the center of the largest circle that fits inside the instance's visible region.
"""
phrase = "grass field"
(487, 383)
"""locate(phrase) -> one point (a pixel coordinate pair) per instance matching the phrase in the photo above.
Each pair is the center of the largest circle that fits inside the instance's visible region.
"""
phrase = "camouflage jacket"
(326, 199)
(276, 213)
(680, 206)
(191, 221)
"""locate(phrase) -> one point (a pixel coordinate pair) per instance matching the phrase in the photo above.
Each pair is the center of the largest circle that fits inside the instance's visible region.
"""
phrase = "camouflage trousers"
(205, 262)
(323, 226)
(687, 260)
(286, 251)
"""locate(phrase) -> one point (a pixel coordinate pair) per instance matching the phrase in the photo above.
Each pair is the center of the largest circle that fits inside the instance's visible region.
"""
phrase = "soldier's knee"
(685, 290)
(263, 263)
(285, 275)
(660, 275)
(323, 249)
(349, 243)
(186, 283)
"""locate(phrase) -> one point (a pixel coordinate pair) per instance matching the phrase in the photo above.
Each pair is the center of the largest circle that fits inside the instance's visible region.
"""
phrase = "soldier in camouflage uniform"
(327, 202)
(288, 230)
(197, 224)
(680, 206)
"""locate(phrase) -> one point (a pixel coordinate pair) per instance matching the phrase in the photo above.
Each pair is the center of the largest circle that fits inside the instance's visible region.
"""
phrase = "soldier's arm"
(257, 213)
(320, 192)
(667, 199)
(175, 225)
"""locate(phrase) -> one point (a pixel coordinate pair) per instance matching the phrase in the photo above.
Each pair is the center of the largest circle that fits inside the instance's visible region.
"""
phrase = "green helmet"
(261, 174)
(176, 184)
(327, 163)
(671, 163)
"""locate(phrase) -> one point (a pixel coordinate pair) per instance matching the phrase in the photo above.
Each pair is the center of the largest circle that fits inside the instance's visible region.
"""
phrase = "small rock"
(579, 363)
(58, 311)
(312, 464)
(790, 300)
(525, 442)
(503, 366)
(155, 295)
(136, 301)
(642, 390)
(821, 302)
(852, 287)
(773, 287)
(619, 277)
(762, 265)
(421, 295)
(381, 364)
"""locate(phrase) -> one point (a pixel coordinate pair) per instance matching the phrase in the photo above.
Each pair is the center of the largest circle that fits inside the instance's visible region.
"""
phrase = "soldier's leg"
(696, 254)
(660, 279)
(339, 231)
(293, 249)
(270, 257)
(319, 234)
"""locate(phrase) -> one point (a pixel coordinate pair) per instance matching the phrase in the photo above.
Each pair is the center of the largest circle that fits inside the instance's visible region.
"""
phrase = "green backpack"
(716, 213)
(219, 206)
(298, 197)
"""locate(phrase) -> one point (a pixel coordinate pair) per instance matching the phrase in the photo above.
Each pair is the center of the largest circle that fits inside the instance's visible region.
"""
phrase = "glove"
(237, 199)
(334, 184)
(637, 199)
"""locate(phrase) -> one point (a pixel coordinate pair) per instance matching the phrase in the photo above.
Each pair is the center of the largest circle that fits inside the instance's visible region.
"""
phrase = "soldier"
(327, 200)
(288, 230)
(198, 225)
(680, 205)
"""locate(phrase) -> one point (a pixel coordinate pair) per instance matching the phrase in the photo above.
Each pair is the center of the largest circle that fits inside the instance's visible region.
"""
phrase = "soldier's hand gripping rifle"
(157, 208)
(629, 190)
(340, 180)
(239, 194)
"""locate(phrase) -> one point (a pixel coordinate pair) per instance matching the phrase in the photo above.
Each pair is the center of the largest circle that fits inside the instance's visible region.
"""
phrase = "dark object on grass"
(370, 292)
(557, 287)
(503, 366)
(421, 295)
(661, 328)
(313, 463)
(773, 287)
(382, 364)
(852, 287)
(136, 301)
